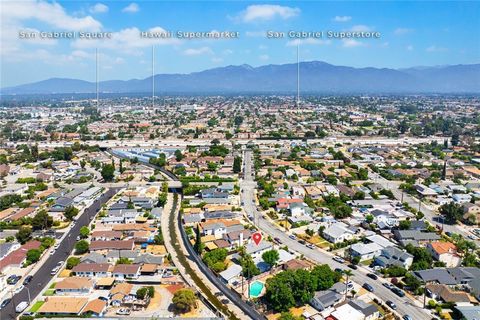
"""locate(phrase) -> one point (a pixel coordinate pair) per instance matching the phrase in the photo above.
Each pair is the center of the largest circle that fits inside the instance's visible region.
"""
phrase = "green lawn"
(36, 306)
(49, 292)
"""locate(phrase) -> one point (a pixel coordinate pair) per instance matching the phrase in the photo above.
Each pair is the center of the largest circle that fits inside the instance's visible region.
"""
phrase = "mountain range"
(315, 77)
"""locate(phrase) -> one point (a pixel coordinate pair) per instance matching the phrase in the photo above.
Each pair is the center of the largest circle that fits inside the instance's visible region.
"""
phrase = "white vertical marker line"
(153, 76)
(298, 76)
(96, 74)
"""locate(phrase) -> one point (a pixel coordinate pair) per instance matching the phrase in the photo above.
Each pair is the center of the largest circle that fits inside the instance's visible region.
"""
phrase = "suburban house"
(441, 292)
(445, 252)
(338, 232)
(365, 251)
(231, 274)
(92, 270)
(112, 245)
(61, 204)
(471, 209)
(328, 298)
(124, 271)
(62, 305)
(74, 285)
(393, 256)
(415, 237)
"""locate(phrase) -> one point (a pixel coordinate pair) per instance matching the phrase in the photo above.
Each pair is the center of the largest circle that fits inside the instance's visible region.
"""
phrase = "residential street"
(432, 216)
(405, 305)
(42, 277)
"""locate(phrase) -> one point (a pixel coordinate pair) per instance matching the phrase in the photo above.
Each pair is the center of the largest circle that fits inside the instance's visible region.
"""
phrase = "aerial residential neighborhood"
(274, 223)
(239, 160)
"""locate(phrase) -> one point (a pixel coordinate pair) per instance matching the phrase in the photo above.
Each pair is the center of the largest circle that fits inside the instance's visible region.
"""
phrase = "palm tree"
(348, 273)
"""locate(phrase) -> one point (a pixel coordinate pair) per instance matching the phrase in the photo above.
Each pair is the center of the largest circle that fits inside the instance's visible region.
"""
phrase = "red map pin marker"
(257, 237)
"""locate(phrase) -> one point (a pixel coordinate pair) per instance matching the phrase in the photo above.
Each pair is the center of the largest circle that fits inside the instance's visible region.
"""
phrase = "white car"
(123, 311)
(338, 259)
(21, 306)
(17, 290)
(55, 270)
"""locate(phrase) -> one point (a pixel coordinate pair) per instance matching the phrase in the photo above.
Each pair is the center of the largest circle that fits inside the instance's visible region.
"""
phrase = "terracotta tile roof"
(126, 268)
(123, 288)
(22, 213)
(443, 247)
(16, 257)
(72, 305)
(97, 306)
(74, 283)
(149, 267)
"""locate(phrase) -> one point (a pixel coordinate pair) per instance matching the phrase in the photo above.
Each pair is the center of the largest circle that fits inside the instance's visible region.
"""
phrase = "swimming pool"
(256, 289)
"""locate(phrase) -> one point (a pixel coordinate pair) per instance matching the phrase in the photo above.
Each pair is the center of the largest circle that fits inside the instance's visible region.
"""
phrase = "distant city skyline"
(412, 34)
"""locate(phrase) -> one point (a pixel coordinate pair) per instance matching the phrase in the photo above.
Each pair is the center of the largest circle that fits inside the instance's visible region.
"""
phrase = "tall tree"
(237, 164)
(198, 246)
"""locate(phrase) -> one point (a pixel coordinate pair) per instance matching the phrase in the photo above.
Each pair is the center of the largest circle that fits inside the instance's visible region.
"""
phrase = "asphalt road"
(42, 277)
(404, 305)
(431, 216)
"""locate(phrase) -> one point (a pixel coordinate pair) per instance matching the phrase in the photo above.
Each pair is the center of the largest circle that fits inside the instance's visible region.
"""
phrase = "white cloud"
(361, 28)
(128, 40)
(435, 48)
(265, 12)
(264, 57)
(227, 51)
(342, 18)
(131, 8)
(409, 47)
(52, 14)
(310, 41)
(217, 59)
(197, 51)
(262, 47)
(99, 8)
(351, 43)
(402, 31)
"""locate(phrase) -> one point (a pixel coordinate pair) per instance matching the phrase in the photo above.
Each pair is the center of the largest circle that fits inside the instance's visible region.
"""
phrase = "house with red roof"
(16, 258)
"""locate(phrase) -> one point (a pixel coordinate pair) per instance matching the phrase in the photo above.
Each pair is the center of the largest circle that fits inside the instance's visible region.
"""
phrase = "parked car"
(407, 317)
(310, 246)
(18, 289)
(292, 237)
(368, 287)
(338, 270)
(392, 305)
(13, 279)
(398, 292)
(21, 306)
(353, 266)
(387, 285)
(27, 279)
(338, 259)
(277, 240)
(372, 276)
(55, 270)
(4, 303)
(123, 311)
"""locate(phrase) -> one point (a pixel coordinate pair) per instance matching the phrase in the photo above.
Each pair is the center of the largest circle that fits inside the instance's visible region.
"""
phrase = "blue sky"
(413, 33)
